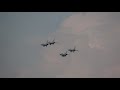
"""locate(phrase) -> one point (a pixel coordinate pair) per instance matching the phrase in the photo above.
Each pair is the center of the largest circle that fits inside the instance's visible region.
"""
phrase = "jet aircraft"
(64, 54)
(72, 50)
(45, 44)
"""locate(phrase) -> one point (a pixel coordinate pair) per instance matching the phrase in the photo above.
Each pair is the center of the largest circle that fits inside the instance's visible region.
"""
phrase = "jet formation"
(62, 54)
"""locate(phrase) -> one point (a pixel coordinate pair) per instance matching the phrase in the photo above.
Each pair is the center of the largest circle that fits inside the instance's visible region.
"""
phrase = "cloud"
(95, 35)
(78, 22)
(112, 72)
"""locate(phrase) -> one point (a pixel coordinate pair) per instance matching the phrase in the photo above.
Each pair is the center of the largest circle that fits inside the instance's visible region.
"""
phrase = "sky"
(95, 34)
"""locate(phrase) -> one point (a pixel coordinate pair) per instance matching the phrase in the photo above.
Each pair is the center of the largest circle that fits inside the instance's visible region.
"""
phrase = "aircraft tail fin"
(53, 39)
(66, 52)
(74, 47)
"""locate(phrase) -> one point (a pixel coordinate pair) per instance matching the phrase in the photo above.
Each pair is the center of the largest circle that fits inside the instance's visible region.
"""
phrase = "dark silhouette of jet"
(45, 45)
(72, 50)
(64, 54)
(52, 43)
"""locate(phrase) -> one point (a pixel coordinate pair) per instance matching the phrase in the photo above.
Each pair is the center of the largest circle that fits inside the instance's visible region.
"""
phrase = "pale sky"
(95, 34)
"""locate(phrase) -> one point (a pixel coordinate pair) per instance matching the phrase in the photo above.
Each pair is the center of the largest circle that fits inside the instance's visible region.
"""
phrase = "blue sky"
(15, 27)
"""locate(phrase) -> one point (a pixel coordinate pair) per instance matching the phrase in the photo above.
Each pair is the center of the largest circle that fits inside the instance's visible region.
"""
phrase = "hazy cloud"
(96, 36)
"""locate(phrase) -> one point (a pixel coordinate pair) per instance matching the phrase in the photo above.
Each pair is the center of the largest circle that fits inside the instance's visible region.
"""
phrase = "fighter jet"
(51, 43)
(45, 45)
(72, 50)
(64, 54)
